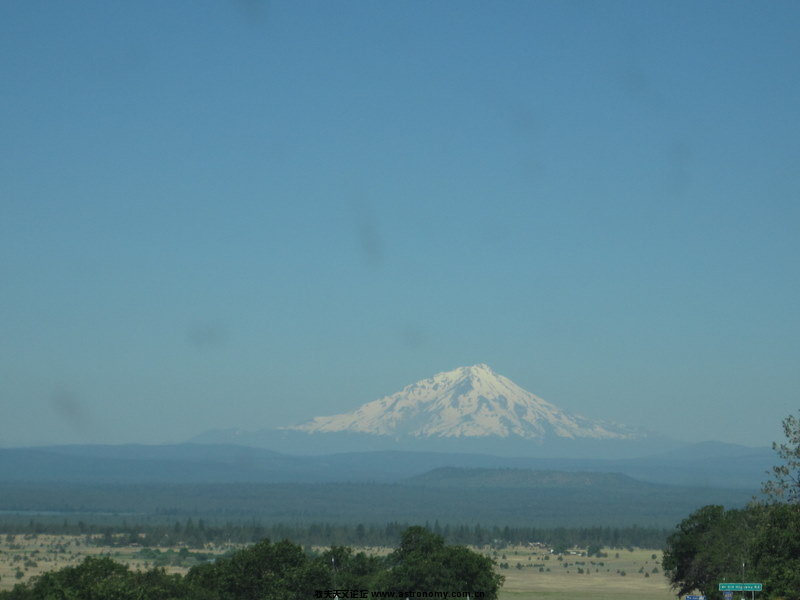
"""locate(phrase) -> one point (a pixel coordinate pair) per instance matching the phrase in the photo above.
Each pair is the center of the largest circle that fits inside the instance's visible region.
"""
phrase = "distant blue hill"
(316, 443)
(709, 464)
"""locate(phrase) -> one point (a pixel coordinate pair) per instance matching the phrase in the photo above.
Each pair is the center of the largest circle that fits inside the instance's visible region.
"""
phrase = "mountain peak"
(479, 368)
(467, 402)
(477, 371)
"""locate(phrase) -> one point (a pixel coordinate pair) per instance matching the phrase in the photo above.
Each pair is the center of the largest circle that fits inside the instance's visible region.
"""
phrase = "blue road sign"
(694, 597)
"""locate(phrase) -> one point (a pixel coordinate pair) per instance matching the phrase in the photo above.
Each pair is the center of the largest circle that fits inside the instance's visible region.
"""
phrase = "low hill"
(706, 465)
(524, 479)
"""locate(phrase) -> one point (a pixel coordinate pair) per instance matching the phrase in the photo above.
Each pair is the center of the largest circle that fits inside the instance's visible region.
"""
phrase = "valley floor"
(529, 571)
(623, 574)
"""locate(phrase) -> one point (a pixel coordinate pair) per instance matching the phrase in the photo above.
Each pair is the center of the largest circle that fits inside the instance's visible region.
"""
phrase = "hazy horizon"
(248, 214)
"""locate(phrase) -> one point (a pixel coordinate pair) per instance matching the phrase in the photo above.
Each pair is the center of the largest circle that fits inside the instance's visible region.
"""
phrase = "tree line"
(197, 533)
(422, 564)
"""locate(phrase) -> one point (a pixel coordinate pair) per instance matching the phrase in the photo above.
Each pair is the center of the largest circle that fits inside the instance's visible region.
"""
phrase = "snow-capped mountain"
(468, 402)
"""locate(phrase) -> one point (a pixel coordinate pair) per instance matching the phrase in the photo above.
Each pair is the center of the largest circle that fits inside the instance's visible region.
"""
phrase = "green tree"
(785, 483)
(593, 550)
(341, 568)
(775, 555)
(423, 562)
(709, 546)
(263, 571)
(102, 579)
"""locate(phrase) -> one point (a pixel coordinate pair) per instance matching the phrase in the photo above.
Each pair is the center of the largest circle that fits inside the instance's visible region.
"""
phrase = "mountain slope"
(467, 402)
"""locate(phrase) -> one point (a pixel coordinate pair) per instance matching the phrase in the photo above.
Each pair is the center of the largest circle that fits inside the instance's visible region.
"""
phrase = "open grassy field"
(25, 556)
(622, 575)
(530, 572)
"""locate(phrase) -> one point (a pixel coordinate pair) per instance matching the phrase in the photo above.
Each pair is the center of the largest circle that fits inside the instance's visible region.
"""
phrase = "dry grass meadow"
(25, 556)
(622, 575)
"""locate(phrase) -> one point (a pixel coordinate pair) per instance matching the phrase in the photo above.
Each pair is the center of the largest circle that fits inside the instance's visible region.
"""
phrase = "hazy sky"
(246, 214)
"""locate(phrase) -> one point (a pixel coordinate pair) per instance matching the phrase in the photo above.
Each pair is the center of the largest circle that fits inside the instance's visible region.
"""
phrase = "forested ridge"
(606, 502)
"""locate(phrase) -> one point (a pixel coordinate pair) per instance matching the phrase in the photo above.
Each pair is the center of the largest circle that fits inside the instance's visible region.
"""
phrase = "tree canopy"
(102, 579)
(785, 483)
(424, 562)
(760, 543)
(280, 570)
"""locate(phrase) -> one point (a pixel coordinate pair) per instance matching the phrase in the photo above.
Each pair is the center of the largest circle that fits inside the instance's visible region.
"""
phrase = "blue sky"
(246, 214)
